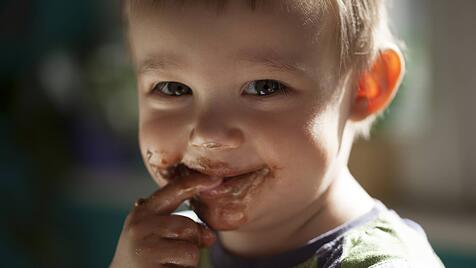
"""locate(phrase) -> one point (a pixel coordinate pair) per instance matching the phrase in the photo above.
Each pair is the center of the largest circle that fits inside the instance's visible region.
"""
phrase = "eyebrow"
(269, 59)
(158, 62)
(281, 62)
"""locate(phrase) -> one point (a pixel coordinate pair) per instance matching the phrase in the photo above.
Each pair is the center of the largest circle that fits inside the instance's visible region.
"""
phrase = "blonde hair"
(362, 32)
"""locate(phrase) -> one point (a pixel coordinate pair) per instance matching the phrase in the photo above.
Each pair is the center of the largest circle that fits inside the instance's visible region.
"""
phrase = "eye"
(265, 87)
(173, 89)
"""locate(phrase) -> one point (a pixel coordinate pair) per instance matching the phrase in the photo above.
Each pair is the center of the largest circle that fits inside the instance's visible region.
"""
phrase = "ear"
(379, 85)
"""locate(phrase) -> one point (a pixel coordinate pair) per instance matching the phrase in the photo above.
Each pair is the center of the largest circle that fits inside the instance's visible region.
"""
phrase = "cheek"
(303, 147)
(161, 142)
(299, 142)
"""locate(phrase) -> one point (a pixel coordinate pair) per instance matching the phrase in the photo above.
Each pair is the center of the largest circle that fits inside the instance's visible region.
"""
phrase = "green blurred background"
(70, 168)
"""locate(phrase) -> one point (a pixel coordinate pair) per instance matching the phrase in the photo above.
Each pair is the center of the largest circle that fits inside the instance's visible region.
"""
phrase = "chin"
(221, 218)
(222, 226)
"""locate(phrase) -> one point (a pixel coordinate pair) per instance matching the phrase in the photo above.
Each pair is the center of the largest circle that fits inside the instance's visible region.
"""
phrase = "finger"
(171, 252)
(169, 226)
(173, 227)
(168, 198)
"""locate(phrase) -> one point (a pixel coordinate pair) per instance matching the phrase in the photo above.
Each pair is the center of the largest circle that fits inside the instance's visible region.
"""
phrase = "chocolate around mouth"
(240, 175)
(237, 187)
(181, 170)
(175, 171)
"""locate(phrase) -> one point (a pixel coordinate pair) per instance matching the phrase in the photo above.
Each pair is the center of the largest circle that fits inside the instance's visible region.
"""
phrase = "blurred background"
(70, 167)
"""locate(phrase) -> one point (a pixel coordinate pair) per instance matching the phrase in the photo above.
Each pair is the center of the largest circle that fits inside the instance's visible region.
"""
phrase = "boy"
(248, 110)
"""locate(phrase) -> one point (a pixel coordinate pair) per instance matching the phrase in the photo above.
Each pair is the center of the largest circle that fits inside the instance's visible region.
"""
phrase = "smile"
(236, 186)
(234, 183)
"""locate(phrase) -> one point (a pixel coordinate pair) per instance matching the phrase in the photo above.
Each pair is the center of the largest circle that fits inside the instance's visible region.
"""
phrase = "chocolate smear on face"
(183, 171)
(168, 173)
(174, 172)
(148, 155)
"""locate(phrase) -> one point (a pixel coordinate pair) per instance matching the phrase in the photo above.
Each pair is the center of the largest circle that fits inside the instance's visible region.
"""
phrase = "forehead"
(282, 32)
(309, 8)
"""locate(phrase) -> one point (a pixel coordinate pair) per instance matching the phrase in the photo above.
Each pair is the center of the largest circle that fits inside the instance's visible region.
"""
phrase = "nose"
(214, 131)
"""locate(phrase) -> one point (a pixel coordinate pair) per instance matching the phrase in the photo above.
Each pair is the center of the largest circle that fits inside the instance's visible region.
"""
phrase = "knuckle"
(187, 227)
(132, 217)
(192, 253)
(129, 227)
(134, 231)
(179, 253)
(186, 222)
(186, 232)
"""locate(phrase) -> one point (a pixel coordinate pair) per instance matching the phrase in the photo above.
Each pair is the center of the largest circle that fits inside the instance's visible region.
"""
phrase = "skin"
(303, 138)
(151, 237)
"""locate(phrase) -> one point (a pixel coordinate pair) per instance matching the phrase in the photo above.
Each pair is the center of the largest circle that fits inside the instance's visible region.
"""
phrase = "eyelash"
(282, 88)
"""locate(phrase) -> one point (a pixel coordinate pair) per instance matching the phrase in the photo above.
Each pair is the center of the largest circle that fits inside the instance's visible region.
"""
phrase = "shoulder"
(386, 242)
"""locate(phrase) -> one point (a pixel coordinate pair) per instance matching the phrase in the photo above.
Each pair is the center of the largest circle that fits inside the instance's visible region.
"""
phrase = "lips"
(236, 186)
(225, 179)
(181, 170)
(235, 183)
(219, 169)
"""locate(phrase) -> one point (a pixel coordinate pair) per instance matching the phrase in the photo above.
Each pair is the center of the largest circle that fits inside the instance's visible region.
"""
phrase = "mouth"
(182, 170)
(234, 183)
(236, 186)
(174, 172)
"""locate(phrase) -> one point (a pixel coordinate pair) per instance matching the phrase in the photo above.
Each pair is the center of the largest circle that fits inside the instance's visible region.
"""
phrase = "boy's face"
(216, 58)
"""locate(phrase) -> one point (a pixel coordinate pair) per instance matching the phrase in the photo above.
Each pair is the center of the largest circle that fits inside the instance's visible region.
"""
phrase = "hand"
(151, 237)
